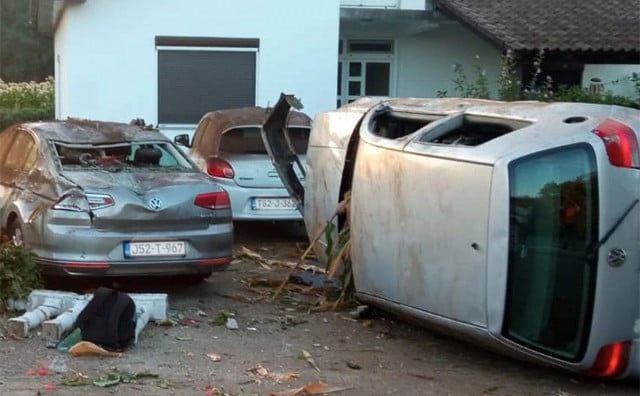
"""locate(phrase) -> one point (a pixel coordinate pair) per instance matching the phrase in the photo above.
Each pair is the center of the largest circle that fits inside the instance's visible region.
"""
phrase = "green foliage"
(478, 88)
(19, 274)
(27, 101)
(24, 54)
(541, 88)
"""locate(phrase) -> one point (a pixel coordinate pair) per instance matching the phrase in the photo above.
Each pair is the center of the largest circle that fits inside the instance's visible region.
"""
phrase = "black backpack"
(108, 319)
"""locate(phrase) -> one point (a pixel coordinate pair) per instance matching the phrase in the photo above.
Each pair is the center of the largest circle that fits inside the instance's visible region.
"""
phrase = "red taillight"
(621, 143)
(99, 201)
(218, 167)
(611, 360)
(214, 200)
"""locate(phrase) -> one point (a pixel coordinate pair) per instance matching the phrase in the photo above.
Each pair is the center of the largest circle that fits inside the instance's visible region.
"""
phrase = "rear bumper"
(134, 267)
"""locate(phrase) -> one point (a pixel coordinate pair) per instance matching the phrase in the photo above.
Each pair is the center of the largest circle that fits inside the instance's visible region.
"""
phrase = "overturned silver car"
(93, 198)
(513, 225)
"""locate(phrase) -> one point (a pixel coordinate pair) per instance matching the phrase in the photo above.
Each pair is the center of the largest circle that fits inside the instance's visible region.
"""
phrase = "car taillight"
(621, 143)
(611, 360)
(99, 201)
(218, 167)
(72, 202)
(214, 200)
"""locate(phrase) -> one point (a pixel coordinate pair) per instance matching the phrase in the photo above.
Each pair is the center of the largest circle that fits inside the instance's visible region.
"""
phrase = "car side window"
(22, 153)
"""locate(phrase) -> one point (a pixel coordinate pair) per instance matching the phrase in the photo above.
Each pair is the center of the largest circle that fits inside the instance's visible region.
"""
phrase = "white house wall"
(107, 58)
(425, 53)
(615, 78)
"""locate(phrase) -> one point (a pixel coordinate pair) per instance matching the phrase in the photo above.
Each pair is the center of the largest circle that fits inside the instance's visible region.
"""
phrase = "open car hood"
(278, 144)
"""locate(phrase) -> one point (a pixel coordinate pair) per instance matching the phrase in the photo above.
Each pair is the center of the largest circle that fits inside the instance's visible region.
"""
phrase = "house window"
(197, 75)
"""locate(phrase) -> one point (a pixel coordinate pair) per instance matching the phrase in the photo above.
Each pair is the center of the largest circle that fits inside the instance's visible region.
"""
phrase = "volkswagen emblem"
(155, 204)
(616, 257)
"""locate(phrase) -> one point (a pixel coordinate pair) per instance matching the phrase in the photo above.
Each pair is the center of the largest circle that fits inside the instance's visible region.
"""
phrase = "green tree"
(24, 54)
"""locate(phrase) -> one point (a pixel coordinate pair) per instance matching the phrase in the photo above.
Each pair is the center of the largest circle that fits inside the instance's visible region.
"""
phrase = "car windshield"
(248, 140)
(127, 156)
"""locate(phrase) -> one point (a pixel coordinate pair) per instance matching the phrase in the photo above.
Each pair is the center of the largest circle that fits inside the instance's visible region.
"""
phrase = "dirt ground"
(197, 355)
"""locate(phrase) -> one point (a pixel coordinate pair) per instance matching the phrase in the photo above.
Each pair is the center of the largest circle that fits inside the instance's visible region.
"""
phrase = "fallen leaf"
(107, 380)
(307, 356)
(315, 388)
(262, 372)
(49, 387)
(86, 348)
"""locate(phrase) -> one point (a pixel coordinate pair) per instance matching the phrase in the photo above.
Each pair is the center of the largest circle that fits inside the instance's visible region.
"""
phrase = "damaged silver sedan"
(92, 198)
(511, 225)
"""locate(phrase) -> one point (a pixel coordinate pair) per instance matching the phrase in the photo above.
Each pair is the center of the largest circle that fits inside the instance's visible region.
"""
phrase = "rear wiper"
(593, 250)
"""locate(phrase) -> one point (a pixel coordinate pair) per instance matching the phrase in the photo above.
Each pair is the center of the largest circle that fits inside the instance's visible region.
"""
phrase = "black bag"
(108, 319)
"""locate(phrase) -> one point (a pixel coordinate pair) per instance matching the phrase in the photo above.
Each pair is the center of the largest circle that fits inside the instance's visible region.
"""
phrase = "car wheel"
(15, 233)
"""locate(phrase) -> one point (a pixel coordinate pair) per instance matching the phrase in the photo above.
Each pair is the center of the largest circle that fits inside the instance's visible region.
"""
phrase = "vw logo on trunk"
(155, 204)
(616, 257)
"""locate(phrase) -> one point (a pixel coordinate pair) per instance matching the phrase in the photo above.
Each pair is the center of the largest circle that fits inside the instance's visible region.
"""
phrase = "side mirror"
(182, 140)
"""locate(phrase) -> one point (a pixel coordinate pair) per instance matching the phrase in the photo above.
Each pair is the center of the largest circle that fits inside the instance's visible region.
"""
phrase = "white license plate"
(157, 248)
(274, 204)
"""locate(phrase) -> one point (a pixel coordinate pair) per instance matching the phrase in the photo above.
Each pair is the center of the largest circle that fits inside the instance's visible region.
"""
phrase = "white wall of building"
(615, 78)
(425, 52)
(426, 60)
(106, 59)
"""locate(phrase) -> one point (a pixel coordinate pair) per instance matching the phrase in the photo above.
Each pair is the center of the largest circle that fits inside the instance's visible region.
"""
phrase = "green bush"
(19, 274)
(26, 101)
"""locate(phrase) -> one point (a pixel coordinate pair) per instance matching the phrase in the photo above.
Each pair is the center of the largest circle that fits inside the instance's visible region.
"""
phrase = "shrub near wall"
(26, 101)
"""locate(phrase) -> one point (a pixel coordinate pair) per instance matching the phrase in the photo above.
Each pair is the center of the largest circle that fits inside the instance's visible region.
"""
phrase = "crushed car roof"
(246, 116)
(75, 130)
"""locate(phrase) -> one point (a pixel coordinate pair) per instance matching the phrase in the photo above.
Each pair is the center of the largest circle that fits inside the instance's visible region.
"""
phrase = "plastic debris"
(232, 324)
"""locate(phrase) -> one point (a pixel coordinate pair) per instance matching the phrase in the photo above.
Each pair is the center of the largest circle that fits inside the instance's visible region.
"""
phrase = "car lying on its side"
(228, 146)
(93, 198)
(512, 225)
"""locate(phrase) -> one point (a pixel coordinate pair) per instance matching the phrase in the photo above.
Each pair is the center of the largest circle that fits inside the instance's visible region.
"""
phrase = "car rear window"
(122, 156)
(249, 141)
(553, 224)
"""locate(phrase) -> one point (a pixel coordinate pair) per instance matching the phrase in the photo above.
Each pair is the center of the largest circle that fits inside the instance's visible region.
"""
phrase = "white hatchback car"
(228, 146)
(512, 225)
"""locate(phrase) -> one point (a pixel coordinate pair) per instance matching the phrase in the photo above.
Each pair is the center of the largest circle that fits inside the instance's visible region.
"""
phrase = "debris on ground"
(307, 356)
(86, 348)
(315, 388)
(262, 373)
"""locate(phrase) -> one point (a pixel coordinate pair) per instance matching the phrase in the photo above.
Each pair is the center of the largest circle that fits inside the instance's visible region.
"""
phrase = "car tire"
(15, 233)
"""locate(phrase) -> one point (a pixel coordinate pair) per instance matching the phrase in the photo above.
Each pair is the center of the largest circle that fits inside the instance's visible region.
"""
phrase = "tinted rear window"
(553, 224)
(249, 141)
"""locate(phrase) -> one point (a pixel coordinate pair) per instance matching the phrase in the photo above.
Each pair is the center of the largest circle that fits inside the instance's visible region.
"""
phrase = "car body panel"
(254, 174)
(434, 221)
(70, 240)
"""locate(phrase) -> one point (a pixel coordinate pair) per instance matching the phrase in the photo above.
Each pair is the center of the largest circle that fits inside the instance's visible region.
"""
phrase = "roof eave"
(46, 14)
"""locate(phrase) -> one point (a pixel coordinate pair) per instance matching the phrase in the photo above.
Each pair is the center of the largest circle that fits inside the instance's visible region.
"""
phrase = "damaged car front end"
(512, 225)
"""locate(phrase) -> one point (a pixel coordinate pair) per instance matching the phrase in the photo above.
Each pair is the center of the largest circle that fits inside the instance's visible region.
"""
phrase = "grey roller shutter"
(191, 83)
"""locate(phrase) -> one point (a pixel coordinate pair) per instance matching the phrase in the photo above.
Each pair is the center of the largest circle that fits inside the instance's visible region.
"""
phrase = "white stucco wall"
(107, 61)
(615, 78)
(426, 60)
(425, 52)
